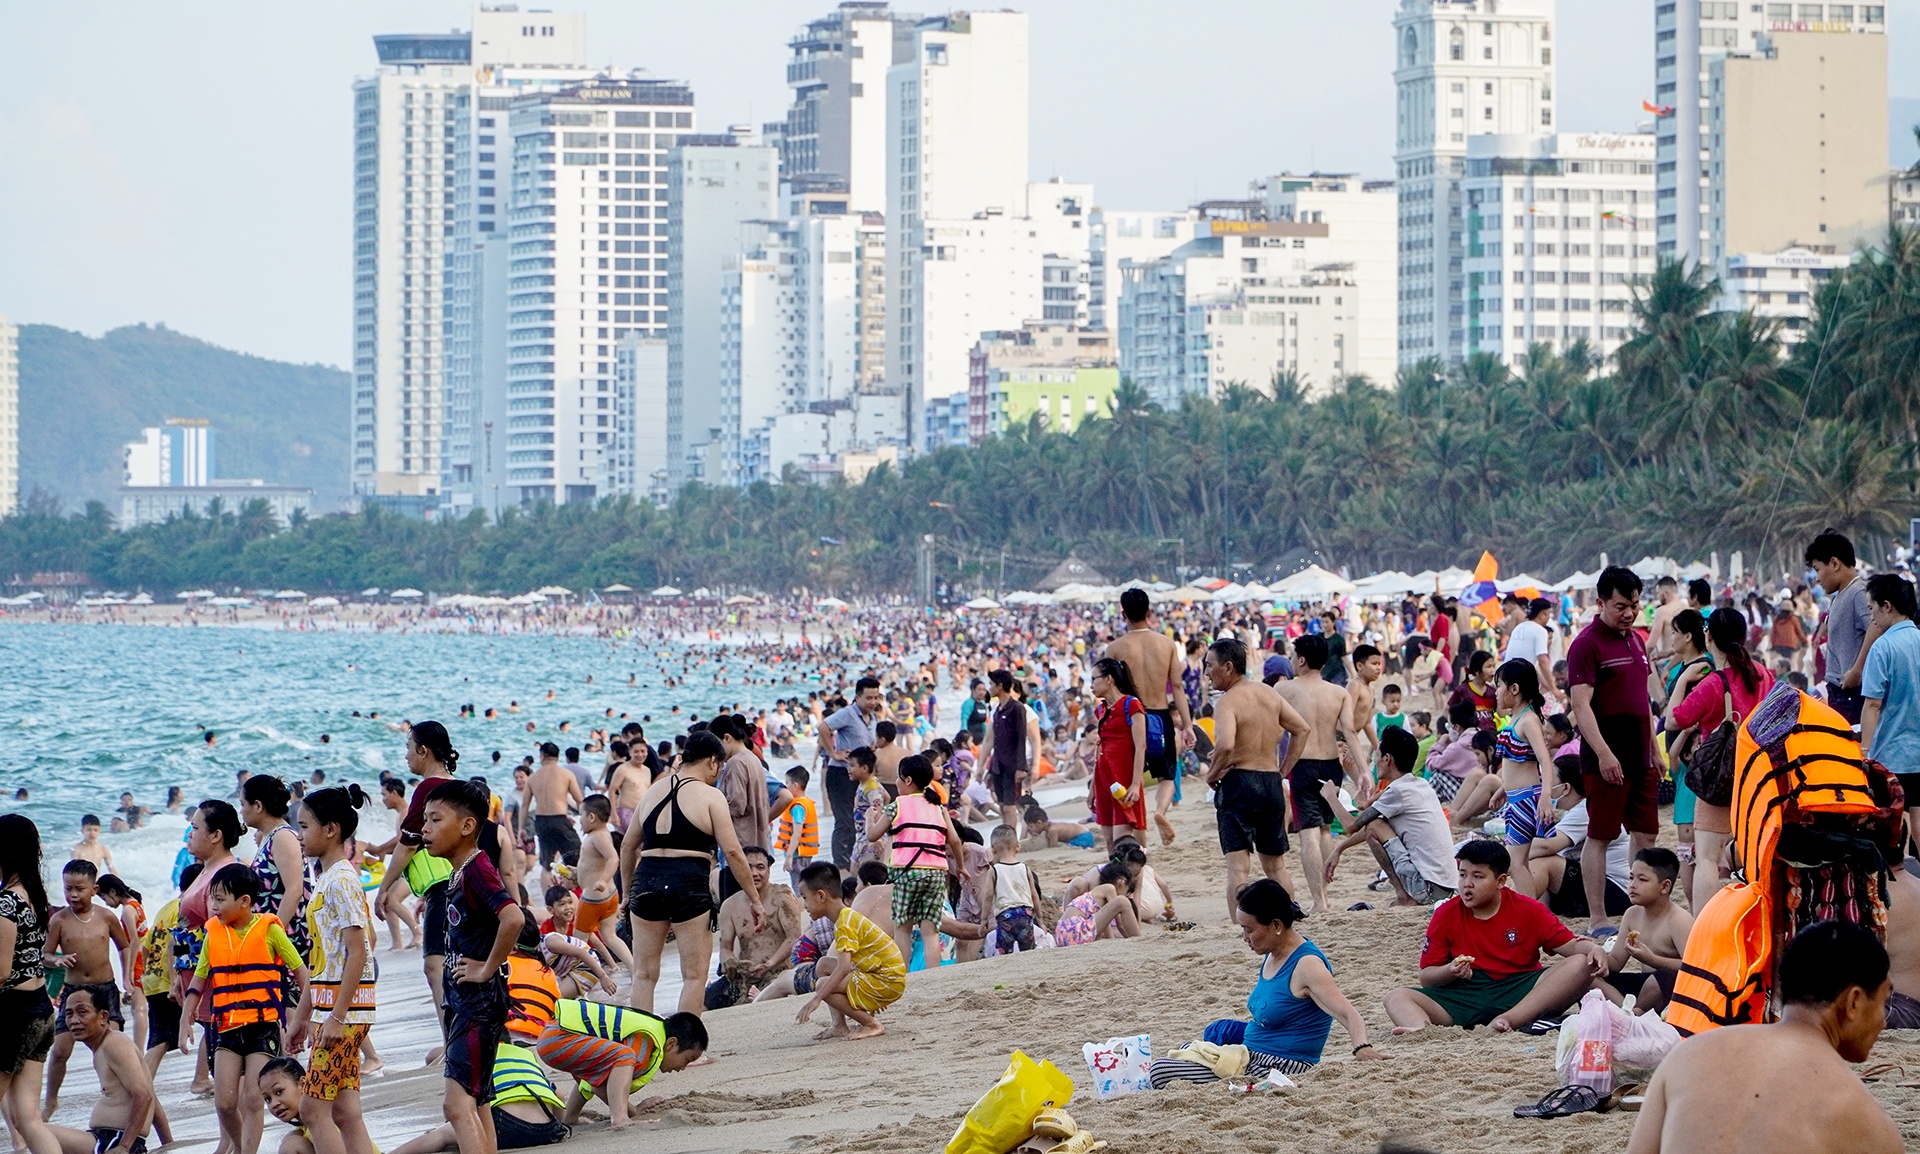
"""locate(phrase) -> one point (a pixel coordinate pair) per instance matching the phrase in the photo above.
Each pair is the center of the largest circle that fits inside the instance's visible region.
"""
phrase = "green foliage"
(1701, 438)
(81, 399)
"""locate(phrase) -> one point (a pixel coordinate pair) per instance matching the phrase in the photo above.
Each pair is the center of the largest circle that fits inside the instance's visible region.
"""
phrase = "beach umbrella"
(229, 602)
(369, 593)
(1187, 594)
(1311, 583)
(830, 603)
(1453, 578)
(194, 594)
(665, 591)
(616, 587)
(406, 594)
(323, 603)
(554, 591)
(741, 599)
(289, 595)
(141, 599)
(983, 603)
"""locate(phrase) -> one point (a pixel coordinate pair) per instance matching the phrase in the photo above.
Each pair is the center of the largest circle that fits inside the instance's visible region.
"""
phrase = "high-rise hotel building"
(1463, 68)
(411, 118)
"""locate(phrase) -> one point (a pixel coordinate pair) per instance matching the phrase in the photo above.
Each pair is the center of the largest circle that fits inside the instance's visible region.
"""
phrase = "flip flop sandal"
(1540, 1026)
(1601, 934)
(1055, 1124)
(1082, 1143)
(1879, 1070)
(1626, 1096)
(1560, 1103)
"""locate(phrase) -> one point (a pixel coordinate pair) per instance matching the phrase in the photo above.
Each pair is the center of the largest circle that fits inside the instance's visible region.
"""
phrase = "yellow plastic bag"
(1003, 1117)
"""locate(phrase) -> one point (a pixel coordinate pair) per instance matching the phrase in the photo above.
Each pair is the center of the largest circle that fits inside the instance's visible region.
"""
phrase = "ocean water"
(89, 711)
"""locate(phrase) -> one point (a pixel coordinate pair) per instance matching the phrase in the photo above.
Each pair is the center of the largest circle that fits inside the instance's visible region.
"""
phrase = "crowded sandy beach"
(1468, 870)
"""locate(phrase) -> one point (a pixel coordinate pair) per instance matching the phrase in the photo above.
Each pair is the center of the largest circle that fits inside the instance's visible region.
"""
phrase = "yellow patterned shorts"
(873, 992)
(335, 1065)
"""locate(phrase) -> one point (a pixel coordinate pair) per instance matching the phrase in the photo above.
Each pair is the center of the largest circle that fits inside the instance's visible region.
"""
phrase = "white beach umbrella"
(983, 603)
(665, 591)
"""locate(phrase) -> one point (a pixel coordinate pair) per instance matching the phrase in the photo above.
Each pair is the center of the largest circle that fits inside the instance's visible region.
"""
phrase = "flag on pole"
(1480, 594)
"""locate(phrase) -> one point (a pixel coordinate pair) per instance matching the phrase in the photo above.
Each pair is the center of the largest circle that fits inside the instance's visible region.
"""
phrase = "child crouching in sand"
(864, 973)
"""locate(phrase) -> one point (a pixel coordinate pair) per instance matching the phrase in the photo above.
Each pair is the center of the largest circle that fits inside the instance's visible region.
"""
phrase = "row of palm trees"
(1699, 436)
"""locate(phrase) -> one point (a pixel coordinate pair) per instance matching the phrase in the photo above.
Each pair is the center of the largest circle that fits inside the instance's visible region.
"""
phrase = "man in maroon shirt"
(1608, 671)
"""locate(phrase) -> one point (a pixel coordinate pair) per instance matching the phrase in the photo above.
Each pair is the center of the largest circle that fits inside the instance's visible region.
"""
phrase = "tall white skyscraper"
(585, 207)
(1126, 235)
(715, 183)
(515, 53)
(1463, 68)
(639, 435)
(835, 134)
(9, 418)
(957, 164)
(178, 452)
(411, 119)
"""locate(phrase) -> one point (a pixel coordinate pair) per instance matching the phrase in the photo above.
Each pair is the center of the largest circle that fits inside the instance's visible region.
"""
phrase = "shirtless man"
(887, 755)
(599, 895)
(81, 939)
(125, 1107)
(1329, 713)
(749, 957)
(1369, 664)
(555, 792)
(1660, 631)
(1786, 1086)
(1246, 773)
(1903, 948)
(1155, 662)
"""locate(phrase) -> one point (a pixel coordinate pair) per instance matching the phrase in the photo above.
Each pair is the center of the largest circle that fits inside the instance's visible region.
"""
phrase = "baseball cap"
(1276, 666)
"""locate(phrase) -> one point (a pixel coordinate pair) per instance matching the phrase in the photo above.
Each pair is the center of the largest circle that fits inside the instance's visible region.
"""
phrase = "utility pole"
(925, 569)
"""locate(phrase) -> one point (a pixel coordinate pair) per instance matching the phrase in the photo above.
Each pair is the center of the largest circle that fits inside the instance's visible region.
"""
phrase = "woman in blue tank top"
(1293, 1003)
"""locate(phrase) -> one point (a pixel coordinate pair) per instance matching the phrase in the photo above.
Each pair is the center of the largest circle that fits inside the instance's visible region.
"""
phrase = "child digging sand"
(865, 972)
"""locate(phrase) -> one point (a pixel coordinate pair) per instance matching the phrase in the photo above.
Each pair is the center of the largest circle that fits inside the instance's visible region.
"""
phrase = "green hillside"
(81, 399)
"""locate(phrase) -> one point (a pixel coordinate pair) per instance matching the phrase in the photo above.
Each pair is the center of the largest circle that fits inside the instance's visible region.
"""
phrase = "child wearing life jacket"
(124, 900)
(612, 1051)
(799, 836)
(242, 969)
(532, 989)
(924, 842)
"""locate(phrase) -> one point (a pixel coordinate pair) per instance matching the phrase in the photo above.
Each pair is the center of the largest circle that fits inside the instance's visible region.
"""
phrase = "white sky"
(191, 163)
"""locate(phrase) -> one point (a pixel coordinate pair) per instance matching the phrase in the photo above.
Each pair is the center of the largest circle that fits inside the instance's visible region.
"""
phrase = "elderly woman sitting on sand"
(1293, 1004)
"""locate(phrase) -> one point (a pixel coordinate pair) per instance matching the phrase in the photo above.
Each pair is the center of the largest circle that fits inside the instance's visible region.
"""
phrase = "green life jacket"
(517, 1077)
(617, 1024)
(424, 871)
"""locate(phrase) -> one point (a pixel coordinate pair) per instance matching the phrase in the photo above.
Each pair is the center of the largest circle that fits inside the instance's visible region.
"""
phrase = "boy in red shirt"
(1481, 960)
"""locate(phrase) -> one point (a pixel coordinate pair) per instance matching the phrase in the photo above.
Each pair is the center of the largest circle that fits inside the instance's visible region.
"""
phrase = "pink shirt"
(1705, 705)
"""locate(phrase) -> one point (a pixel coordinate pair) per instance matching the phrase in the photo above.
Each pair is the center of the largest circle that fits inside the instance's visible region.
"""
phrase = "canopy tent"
(1653, 568)
(1311, 584)
(983, 603)
(1521, 581)
(554, 591)
(1453, 579)
(289, 595)
(1392, 583)
(194, 594)
(1571, 582)
(1072, 571)
(323, 603)
(616, 587)
(406, 594)
(1185, 594)
(665, 591)
(1029, 597)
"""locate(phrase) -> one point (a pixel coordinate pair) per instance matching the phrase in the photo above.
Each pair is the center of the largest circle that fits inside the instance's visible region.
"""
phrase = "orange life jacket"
(532, 994)
(808, 844)
(919, 834)
(1794, 758)
(243, 974)
(1725, 973)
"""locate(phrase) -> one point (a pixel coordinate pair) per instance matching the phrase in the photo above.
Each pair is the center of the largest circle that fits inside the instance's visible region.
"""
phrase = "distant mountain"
(81, 399)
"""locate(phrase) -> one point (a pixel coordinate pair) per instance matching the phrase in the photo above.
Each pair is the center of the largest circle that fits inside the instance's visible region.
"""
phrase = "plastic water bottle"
(1117, 790)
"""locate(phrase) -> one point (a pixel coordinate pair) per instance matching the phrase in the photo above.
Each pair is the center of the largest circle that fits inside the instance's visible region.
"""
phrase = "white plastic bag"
(1120, 1065)
(1591, 1058)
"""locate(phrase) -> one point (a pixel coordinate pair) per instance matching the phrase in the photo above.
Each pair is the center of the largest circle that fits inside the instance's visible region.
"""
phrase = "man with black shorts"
(1156, 663)
(1328, 711)
(1607, 674)
(1246, 774)
(1013, 737)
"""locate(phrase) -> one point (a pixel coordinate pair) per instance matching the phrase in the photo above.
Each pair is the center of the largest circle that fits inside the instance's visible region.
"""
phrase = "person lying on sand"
(1481, 963)
(1833, 988)
(1045, 833)
(865, 972)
